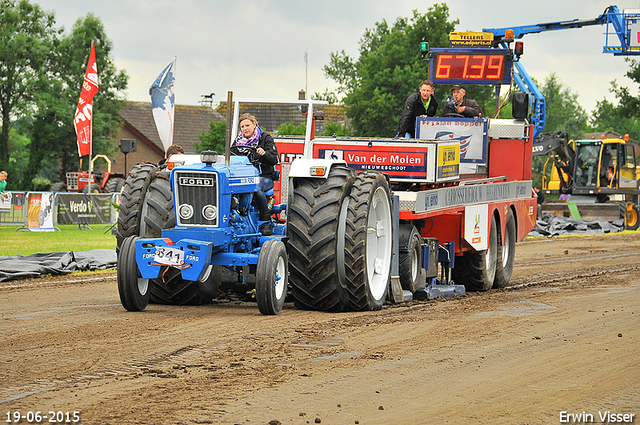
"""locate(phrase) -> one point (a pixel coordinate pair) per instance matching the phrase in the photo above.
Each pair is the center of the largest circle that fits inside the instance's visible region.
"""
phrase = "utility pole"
(306, 73)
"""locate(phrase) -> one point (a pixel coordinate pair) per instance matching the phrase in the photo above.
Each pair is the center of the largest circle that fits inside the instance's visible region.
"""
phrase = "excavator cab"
(587, 164)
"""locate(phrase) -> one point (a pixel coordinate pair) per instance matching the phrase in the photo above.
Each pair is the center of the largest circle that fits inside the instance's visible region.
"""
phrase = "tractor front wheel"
(132, 288)
(271, 277)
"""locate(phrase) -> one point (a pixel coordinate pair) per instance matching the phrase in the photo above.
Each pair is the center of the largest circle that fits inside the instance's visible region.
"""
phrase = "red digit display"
(477, 67)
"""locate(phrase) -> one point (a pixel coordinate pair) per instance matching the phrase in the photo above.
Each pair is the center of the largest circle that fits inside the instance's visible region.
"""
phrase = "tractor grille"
(196, 200)
(72, 180)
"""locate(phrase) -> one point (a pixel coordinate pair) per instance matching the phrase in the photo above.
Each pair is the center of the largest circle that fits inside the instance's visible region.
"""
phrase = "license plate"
(169, 256)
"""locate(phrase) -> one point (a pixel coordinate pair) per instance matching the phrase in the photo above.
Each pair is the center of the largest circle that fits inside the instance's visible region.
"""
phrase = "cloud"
(257, 48)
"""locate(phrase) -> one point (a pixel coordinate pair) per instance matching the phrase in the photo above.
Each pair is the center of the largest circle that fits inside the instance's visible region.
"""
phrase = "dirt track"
(565, 338)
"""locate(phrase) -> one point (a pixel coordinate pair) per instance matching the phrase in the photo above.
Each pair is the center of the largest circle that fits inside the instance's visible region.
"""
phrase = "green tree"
(337, 129)
(564, 113)
(53, 138)
(623, 116)
(214, 140)
(329, 96)
(291, 129)
(389, 68)
(27, 34)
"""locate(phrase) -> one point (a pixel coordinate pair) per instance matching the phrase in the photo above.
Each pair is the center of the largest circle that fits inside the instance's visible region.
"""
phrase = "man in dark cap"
(459, 105)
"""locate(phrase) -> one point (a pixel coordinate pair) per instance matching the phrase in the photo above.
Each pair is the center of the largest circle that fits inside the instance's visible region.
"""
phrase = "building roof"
(189, 123)
(271, 115)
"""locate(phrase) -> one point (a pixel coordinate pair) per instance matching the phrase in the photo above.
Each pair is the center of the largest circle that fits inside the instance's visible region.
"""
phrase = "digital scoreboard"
(470, 66)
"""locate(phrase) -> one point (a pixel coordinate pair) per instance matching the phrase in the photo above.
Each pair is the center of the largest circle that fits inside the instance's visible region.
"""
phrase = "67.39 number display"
(473, 66)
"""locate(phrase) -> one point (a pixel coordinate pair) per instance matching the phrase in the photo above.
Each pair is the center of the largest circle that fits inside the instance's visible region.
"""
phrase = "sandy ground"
(564, 340)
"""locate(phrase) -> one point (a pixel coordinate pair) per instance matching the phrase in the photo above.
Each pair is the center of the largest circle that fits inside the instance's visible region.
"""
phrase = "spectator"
(459, 105)
(3, 183)
(421, 103)
(171, 150)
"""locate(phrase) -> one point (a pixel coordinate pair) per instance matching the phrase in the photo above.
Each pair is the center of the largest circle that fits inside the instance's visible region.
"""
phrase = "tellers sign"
(471, 66)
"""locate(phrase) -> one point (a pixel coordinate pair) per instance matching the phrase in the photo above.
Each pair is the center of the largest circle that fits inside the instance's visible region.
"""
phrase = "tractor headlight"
(185, 211)
(209, 212)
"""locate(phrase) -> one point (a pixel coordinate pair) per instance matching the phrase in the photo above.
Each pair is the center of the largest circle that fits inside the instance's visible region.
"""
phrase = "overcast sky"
(257, 48)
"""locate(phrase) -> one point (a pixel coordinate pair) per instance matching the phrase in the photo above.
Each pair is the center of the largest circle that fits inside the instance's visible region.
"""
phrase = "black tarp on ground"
(35, 265)
(553, 225)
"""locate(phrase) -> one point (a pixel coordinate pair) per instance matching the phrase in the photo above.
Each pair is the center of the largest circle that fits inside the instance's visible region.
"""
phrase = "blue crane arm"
(620, 26)
(610, 13)
(617, 24)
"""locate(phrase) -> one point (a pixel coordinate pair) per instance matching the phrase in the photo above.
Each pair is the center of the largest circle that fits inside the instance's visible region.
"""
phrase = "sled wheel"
(133, 289)
(271, 277)
(477, 270)
(410, 255)
(506, 253)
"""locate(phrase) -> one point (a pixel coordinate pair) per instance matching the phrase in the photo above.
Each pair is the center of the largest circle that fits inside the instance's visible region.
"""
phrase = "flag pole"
(91, 140)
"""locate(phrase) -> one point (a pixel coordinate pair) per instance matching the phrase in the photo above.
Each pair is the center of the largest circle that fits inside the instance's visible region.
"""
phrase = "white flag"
(163, 103)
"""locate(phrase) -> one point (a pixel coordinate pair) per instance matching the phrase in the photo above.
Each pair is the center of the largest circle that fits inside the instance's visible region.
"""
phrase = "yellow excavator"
(600, 176)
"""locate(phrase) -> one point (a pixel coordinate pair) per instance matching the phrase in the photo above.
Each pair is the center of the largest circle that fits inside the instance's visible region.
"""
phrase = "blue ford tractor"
(216, 226)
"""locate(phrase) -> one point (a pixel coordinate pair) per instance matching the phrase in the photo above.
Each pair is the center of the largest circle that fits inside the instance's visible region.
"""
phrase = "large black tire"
(157, 210)
(58, 187)
(170, 288)
(477, 270)
(114, 185)
(313, 216)
(410, 255)
(506, 253)
(368, 242)
(271, 277)
(132, 288)
(131, 200)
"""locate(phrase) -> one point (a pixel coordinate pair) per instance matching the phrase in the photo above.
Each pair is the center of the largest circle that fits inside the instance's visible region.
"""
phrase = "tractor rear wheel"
(132, 288)
(131, 200)
(477, 270)
(506, 253)
(271, 277)
(114, 185)
(170, 288)
(58, 187)
(157, 205)
(313, 219)
(368, 242)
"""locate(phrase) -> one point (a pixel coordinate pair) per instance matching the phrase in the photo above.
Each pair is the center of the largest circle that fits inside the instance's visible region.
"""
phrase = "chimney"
(301, 95)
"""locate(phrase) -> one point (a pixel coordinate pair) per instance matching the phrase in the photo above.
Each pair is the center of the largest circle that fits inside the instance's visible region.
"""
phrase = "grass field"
(69, 238)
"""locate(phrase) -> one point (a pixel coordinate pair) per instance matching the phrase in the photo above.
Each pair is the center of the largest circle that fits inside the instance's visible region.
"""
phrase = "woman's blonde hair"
(247, 116)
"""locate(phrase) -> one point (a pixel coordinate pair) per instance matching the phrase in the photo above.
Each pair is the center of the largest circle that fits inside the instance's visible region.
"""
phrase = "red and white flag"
(82, 119)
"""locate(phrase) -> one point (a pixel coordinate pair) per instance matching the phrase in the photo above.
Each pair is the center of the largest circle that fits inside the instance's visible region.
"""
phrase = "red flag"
(82, 118)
